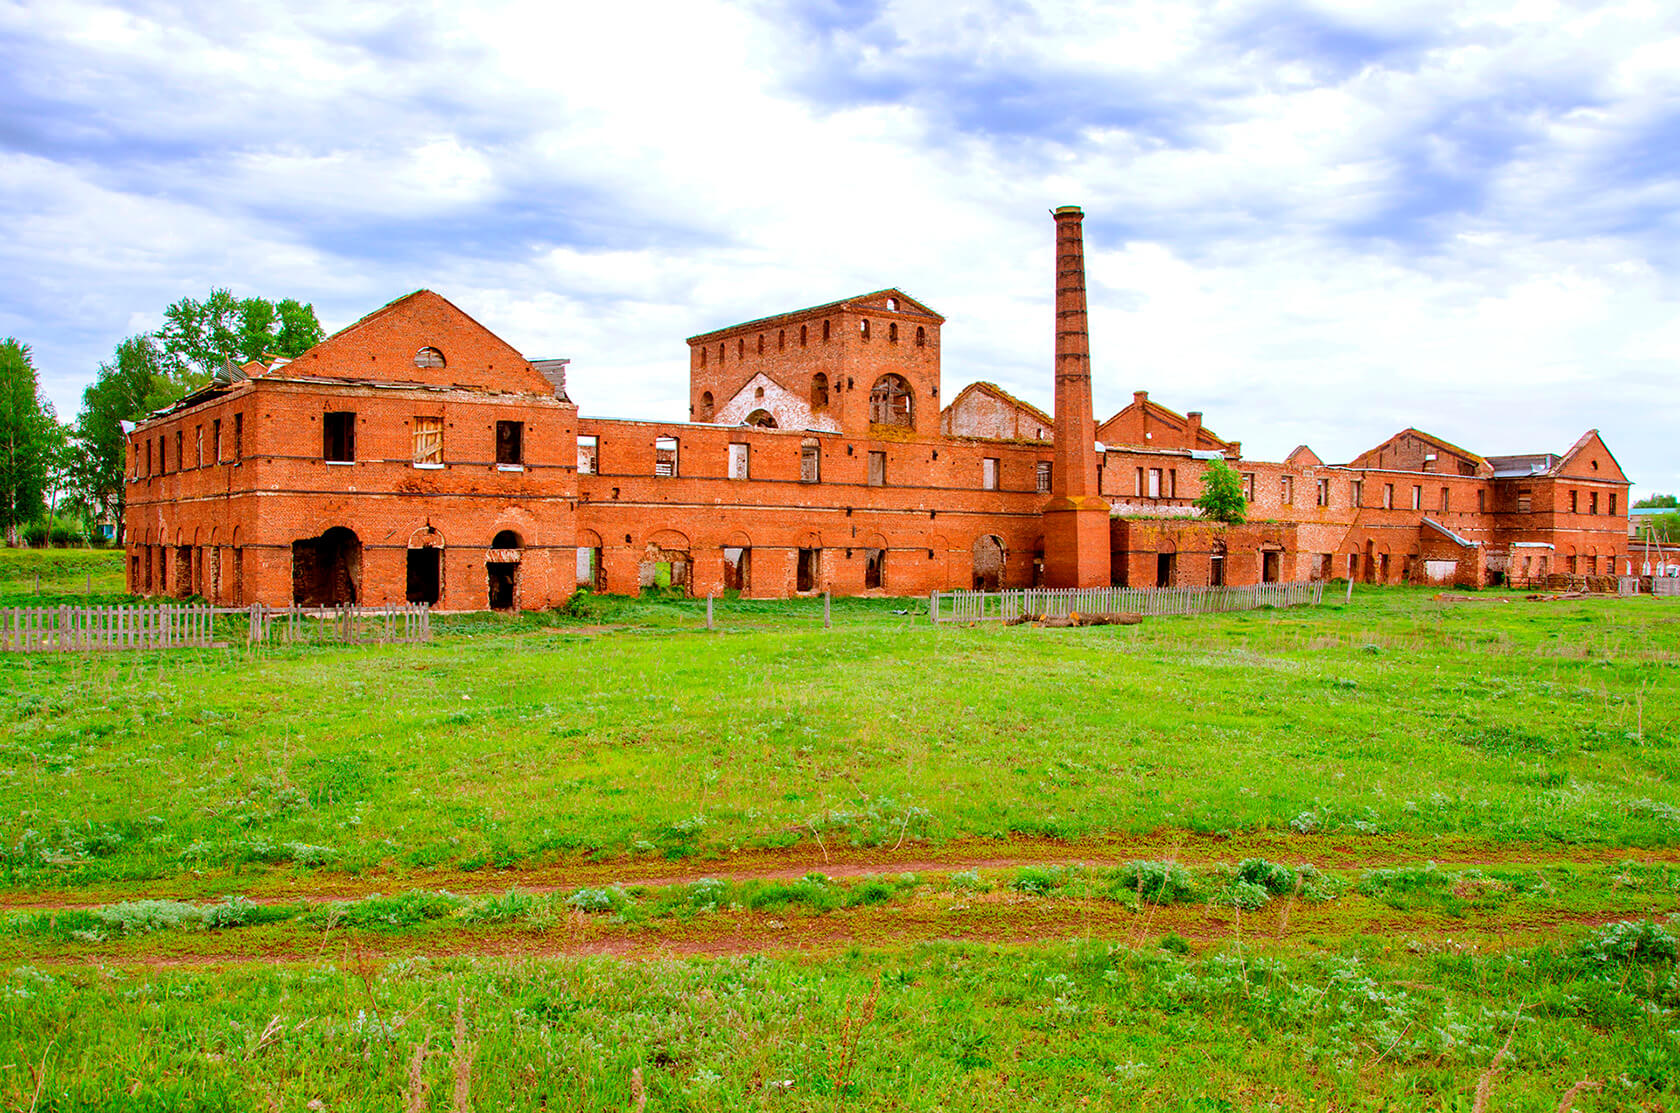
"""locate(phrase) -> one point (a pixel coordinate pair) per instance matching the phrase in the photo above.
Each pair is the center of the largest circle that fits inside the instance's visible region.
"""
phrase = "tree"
(24, 439)
(197, 337)
(1655, 501)
(127, 388)
(1222, 497)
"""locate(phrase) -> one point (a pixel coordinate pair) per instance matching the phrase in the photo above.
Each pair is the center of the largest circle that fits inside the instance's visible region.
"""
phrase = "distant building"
(416, 456)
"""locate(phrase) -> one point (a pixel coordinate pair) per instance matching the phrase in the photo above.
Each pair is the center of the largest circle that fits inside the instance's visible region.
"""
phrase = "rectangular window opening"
(510, 442)
(588, 459)
(1044, 476)
(810, 463)
(338, 437)
(877, 469)
(989, 473)
(665, 456)
(740, 458)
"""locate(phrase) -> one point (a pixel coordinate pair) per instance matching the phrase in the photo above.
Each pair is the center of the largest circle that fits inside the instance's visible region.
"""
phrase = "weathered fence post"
(709, 624)
(827, 619)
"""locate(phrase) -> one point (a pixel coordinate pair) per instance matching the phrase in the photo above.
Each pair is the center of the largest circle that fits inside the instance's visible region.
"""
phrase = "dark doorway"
(874, 568)
(805, 576)
(1216, 568)
(737, 569)
(1166, 564)
(502, 571)
(425, 575)
(988, 563)
(1269, 564)
(327, 570)
(1382, 565)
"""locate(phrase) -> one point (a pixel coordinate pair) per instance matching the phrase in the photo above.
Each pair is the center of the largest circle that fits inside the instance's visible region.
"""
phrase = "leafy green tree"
(1222, 497)
(197, 337)
(1655, 501)
(24, 439)
(134, 383)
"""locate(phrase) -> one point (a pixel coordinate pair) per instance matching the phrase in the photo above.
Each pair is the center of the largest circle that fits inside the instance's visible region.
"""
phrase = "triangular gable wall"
(1578, 462)
(383, 345)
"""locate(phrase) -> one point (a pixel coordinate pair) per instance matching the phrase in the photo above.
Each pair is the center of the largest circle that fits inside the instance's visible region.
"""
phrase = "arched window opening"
(702, 357)
(921, 337)
(506, 539)
(721, 350)
(740, 347)
(758, 395)
(761, 343)
(892, 332)
(863, 328)
(890, 402)
(761, 419)
(706, 406)
(892, 305)
(819, 391)
(428, 357)
(804, 331)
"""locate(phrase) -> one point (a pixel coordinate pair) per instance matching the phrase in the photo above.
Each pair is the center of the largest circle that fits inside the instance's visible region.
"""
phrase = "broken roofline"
(1002, 395)
(921, 310)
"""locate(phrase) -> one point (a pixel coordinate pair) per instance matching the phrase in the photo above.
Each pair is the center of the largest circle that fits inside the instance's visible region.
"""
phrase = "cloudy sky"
(1315, 222)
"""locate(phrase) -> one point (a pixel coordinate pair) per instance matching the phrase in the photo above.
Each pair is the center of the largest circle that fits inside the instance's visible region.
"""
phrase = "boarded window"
(665, 456)
(510, 442)
(428, 357)
(1043, 476)
(428, 441)
(739, 461)
(810, 463)
(588, 460)
(338, 437)
(877, 469)
(1525, 503)
(989, 473)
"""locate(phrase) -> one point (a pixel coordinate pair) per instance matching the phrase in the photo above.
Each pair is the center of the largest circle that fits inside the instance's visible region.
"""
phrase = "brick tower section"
(1076, 535)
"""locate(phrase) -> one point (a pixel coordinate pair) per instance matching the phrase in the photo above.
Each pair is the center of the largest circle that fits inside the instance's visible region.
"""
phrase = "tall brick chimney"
(1076, 545)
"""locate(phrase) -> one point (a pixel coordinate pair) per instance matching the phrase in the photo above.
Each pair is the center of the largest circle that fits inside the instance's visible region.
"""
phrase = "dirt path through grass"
(1190, 849)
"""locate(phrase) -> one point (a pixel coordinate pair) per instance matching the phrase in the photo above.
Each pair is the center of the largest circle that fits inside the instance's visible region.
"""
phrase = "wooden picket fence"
(67, 629)
(1004, 606)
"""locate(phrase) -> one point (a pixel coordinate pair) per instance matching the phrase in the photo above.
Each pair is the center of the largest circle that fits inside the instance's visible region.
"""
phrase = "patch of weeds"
(1174, 943)
(1156, 882)
(1412, 888)
(381, 913)
(1630, 941)
(969, 880)
(143, 917)
(813, 891)
(1505, 739)
(508, 908)
(610, 899)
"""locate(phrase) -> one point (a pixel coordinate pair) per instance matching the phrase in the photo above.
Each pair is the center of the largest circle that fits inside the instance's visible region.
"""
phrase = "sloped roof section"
(987, 411)
(1137, 424)
(874, 301)
(383, 346)
(1396, 453)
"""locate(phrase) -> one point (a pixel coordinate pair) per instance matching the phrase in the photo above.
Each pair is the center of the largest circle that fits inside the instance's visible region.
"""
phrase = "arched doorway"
(501, 567)
(327, 570)
(667, 564)
(425, 566)
(988, 563)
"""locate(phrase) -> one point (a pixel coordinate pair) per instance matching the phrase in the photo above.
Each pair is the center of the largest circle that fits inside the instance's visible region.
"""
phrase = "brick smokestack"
(1075, 472)
(1076, 531)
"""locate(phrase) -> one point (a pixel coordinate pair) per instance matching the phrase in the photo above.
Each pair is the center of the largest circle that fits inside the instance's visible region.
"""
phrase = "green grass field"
(875, 866)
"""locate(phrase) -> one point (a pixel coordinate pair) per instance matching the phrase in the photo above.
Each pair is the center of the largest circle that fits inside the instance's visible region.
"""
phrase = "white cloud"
(1311, 222)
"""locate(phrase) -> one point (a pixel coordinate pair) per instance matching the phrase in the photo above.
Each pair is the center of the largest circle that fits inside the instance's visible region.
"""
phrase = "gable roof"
(872, 300)
(1303, 457)
(1427, 438)
(420, 319)
(1001, 395)
(1154, 409)
(1587, 438)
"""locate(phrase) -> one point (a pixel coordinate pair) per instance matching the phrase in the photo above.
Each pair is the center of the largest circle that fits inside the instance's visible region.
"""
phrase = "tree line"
(59, 480)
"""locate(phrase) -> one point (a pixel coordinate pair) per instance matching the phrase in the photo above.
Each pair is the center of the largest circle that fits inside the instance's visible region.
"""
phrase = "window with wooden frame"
(428, 442)
(810, 462)
(1043, 476)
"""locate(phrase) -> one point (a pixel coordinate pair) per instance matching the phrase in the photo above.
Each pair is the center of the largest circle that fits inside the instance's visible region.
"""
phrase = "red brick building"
(416, 456)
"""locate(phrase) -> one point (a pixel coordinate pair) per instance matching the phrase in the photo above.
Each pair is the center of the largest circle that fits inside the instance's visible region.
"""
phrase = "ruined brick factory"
(416, 456)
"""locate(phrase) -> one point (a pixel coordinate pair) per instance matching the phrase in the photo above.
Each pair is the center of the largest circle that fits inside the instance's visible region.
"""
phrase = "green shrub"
(1640, 941)
(382, 913)
(508, 908)
(610, 899)
(1159, 882)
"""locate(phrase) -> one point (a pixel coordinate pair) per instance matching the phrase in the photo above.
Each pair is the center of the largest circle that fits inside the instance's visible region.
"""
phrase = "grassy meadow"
(1324, 857)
